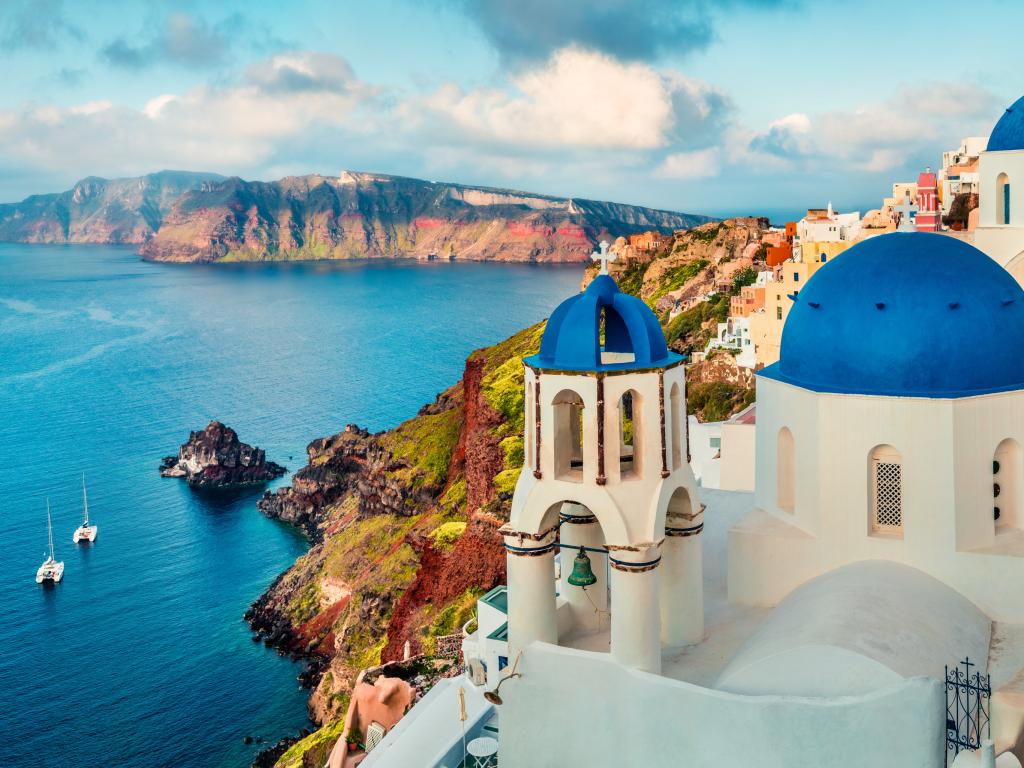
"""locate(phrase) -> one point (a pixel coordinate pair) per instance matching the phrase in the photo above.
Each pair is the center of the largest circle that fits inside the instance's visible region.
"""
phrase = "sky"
(718, 107)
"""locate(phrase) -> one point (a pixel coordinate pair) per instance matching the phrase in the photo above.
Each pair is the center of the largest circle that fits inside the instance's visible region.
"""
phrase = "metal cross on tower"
(603, 256)
(906, 224)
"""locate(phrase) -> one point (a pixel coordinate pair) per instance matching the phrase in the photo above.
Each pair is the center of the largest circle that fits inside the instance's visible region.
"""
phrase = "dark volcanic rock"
(335, 464)
(215, 458)
(269, 757)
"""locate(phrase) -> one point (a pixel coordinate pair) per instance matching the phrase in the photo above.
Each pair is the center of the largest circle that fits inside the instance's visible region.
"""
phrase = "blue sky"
(739, 106)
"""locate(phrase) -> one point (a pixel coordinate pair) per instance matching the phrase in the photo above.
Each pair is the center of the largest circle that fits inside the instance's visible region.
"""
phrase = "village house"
(959, 172)
(779, 245)
(645, 242)
(825, 225)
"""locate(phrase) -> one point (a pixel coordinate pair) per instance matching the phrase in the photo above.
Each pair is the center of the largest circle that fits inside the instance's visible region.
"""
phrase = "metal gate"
(967, 708)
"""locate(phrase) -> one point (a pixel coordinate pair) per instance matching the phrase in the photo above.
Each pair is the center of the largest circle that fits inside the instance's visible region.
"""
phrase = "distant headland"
(182, 216)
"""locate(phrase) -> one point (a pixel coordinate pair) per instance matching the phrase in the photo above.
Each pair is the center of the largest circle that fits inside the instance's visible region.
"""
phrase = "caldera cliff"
(194, 217)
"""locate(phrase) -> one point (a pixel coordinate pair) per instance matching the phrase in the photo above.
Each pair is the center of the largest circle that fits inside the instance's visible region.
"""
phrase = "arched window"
(1002, 199)
(629, 433)
(785, 457)
(675, 399)
(885, 479)
(1006, 485)
(568, 436)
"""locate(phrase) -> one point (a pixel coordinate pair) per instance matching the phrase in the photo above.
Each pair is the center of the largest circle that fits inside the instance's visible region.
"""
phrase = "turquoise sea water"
(140, 656)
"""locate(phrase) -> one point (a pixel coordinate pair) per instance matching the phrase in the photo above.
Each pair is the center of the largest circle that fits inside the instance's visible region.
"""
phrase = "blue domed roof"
(911, 314)
(633, 337)
(1009, 131)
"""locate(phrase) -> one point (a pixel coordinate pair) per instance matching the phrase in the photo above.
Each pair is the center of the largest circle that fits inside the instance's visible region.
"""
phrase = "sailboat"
(85, 532)
(51, 569)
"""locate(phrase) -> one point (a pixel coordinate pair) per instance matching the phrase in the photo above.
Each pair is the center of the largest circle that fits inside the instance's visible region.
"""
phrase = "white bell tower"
(606, 470)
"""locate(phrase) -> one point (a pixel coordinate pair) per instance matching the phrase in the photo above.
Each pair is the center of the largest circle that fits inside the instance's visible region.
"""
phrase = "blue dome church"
(891, 426)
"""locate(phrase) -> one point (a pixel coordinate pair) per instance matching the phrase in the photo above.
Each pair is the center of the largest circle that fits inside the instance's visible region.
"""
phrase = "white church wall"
(1003, 243)
(781, 406)
(738, 452)
(982, 424)
(768, 559)
(651, 719)
(946, 449)
(990, 167)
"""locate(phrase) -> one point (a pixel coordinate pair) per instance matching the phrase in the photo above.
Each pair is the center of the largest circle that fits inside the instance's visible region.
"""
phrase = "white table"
(484, 751)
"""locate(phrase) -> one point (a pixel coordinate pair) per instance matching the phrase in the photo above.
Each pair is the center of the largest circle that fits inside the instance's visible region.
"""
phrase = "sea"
(140, 656)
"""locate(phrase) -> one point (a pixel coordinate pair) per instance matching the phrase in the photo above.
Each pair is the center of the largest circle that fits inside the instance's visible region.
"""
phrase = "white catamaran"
(51, 569)
(85, 532)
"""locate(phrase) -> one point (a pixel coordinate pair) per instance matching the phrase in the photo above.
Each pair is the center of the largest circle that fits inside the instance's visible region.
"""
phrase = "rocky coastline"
(214, 458)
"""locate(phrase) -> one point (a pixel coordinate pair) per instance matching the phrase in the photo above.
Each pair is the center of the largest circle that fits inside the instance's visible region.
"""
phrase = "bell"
(582, 574)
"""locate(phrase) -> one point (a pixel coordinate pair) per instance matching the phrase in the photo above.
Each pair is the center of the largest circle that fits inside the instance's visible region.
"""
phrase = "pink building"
(928, 215)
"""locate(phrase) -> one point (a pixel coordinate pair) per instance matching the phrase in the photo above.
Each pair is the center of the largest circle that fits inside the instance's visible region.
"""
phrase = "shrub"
(445, 535)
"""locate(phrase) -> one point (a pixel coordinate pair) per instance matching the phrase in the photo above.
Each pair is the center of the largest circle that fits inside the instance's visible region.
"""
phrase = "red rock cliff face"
(478, 559)
(478, 455)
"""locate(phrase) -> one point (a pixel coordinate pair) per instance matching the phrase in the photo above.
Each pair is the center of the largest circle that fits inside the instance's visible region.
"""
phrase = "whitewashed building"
(733, 337)
(827, 226)
(722, 452)
(959, 173)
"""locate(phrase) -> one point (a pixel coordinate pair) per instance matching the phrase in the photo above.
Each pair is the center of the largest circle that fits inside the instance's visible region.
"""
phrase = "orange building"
(647, 241)
(780, 248)
(751, 299)
(777, 254)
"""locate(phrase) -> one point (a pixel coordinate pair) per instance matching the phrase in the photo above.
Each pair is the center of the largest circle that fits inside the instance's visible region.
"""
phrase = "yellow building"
(791, 276)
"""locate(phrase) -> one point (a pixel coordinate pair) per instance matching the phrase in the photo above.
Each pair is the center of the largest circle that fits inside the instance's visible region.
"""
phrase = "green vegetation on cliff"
(425, 444)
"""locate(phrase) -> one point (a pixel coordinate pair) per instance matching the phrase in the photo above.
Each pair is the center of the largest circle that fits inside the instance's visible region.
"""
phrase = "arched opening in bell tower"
(630, 433)
(616, 344)
(568, 436)
(582, 574)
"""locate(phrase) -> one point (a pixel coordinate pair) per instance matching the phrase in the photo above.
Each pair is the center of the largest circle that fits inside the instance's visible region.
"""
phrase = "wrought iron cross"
(906, 224)
(603, 256)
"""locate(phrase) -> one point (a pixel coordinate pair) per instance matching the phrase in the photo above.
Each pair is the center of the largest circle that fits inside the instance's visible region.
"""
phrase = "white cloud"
(287, 98)
(884, 135)
(700, 164)
(579, 100)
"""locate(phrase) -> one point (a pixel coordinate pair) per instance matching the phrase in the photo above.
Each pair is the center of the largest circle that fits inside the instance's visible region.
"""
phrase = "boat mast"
(49, 527)
(85, 501)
